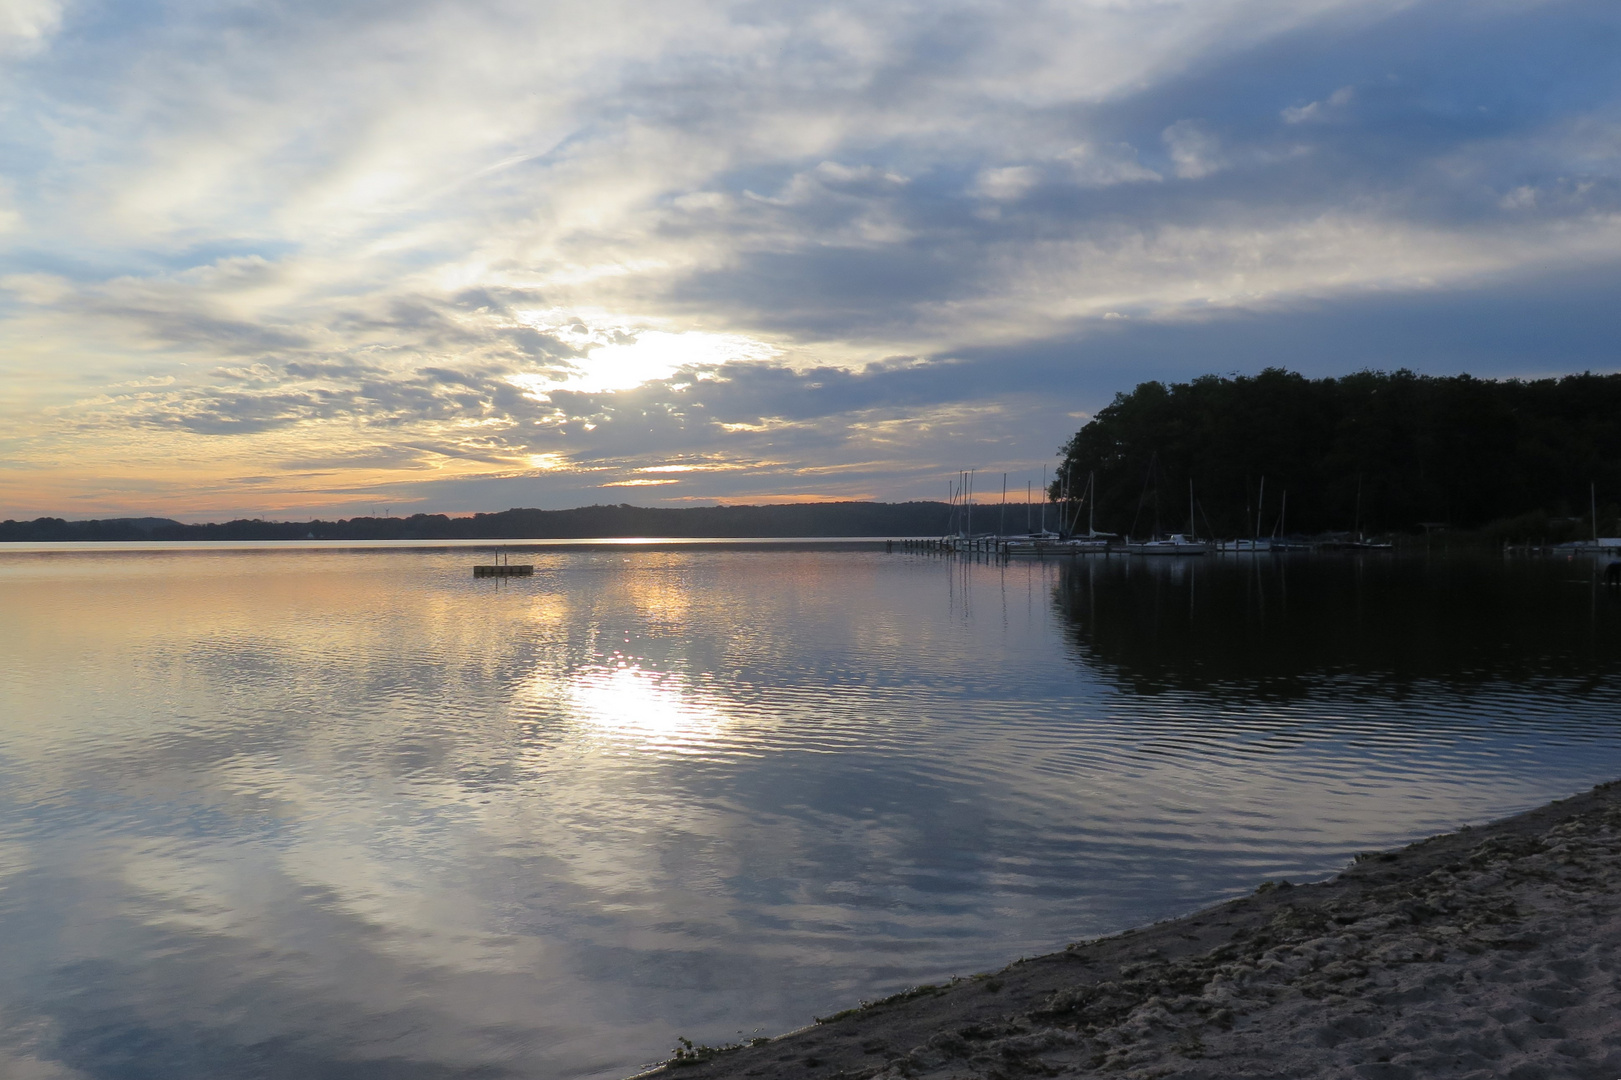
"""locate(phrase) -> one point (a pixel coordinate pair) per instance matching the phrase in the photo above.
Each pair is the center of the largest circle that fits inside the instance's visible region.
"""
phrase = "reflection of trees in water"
(1283, 627)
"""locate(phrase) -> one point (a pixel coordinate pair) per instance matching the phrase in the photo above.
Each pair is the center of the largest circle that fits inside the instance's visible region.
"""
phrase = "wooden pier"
(503, 566)
(962, 545)
(504, 570)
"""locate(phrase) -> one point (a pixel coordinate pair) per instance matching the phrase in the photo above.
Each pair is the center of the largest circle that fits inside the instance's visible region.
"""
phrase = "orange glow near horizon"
(779, 500)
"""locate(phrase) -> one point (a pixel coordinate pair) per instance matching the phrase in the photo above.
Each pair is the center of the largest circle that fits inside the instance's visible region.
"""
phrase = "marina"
(1058, 546)
(1042, 543)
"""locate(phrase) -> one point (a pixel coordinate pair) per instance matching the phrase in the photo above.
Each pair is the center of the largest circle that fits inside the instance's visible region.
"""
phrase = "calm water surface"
(353, 814)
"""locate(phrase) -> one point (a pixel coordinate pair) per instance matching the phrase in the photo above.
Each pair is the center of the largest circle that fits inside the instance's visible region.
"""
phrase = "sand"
(1489, 952)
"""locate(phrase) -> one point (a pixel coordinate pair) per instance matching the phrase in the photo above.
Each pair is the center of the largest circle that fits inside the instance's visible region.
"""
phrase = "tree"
(1382, 451)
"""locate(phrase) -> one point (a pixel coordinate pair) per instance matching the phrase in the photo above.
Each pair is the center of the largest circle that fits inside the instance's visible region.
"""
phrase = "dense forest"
(794, 519)
(1374, 451)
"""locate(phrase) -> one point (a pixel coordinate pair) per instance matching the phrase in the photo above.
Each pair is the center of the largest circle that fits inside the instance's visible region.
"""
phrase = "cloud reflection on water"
(339, 814)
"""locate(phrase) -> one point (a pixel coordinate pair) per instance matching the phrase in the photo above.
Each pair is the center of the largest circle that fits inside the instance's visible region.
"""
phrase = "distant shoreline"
(534, 543)
(1483, 952)
(836, 520)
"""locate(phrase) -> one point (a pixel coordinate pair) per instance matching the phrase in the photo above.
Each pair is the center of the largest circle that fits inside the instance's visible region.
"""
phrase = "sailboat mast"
(1193, 530)
(1357, 525)
(1063, 501)
(1259, 504)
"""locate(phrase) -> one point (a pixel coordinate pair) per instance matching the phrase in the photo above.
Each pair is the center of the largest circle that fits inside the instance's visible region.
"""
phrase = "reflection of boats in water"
(1175, 544)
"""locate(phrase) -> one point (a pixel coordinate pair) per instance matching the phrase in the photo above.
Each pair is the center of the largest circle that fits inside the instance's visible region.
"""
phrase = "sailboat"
(1175, 544)
(1091, 542)
(1186, 543)
(1258, 543)
(1041, 541)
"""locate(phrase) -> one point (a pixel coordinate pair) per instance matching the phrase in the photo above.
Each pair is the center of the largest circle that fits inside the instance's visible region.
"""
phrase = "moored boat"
(1175, 544)
(1037, 544)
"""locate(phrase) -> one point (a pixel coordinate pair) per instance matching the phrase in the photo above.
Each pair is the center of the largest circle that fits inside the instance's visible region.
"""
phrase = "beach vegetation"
(687, 1053)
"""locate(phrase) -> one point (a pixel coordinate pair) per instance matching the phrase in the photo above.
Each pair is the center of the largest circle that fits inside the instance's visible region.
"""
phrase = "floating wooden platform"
(504, 570)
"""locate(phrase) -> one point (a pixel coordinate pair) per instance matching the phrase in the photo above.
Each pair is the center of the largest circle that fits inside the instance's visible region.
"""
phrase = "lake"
(269, 811)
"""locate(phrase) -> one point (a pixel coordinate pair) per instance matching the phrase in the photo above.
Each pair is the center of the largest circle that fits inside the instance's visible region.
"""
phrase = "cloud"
(1319, 110)
(434, 240)
(1009, 182)
(26, 24)
(1196, 151)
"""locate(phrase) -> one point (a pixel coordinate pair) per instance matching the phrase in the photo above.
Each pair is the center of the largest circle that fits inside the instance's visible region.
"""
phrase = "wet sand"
(1488, 952)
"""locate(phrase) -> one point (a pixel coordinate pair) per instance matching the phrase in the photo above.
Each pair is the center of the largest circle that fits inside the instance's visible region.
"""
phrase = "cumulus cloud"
(461, 239)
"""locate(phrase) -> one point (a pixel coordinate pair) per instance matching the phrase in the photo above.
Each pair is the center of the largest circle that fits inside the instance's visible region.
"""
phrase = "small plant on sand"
(925, 990)
(688, 1054)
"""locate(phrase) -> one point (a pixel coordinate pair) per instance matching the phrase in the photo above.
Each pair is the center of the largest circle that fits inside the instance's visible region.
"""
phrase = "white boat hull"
(1038, 549)
(1176, 545)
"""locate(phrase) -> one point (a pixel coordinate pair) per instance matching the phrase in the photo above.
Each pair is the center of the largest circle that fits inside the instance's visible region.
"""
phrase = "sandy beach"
(1488, 952)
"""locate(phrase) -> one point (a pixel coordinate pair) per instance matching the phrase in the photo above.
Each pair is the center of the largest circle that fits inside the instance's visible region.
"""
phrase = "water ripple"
(317, 812)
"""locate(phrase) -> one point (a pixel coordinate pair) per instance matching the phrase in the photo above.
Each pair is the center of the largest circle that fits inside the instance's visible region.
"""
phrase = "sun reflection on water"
(657, 709)
(395, 819)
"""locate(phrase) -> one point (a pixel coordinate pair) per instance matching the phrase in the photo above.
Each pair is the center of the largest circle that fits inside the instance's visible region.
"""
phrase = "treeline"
(586, 522)
(1375, 451)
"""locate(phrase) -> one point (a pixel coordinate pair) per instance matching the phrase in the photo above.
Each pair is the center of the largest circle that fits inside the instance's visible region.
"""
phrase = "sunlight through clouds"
(616, 358)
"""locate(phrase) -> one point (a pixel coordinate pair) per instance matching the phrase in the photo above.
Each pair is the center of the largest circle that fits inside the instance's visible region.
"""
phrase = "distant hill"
(1383, 451)
(623, 520)
(48, 528)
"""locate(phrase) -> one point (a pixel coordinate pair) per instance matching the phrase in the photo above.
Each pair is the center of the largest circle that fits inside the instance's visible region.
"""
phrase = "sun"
(621, 358)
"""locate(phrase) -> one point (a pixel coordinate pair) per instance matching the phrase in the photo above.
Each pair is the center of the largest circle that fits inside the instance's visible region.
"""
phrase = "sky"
(285, 259)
